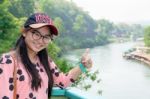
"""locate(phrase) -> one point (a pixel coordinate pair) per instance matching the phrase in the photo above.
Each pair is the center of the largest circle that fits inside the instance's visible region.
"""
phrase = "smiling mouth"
(38, 46)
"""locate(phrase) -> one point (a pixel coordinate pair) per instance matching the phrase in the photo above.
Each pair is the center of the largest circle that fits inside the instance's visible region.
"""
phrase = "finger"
(85, 58)
(91, 62)
(86, 53)
(88, 62)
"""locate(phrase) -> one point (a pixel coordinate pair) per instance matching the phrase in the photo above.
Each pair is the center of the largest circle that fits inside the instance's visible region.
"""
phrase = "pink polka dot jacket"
(24, 90)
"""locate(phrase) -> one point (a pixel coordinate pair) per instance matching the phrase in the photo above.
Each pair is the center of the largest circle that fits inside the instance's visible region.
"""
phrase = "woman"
(27, 72)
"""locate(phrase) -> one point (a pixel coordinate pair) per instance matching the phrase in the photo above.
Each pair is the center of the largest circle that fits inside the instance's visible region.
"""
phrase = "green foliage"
(104, 26)
(63, 65)
(76, 29)
(77, 24)
(137, 31)
(104, 29)
(8, 27)
(102, 38)
(53, 50)
(59, 24)
(147, 36)
(86, 80)
(21, 8)
(126, 31)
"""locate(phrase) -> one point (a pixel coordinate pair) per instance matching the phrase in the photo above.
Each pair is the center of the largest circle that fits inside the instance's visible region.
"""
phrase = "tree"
(21, 8)
(8, 27)
(147, 36)
(79, 22)
(105, 26)
(104, 30)
(59, 24)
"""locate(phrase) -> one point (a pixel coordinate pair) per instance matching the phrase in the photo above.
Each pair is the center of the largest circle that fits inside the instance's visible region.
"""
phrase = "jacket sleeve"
(6, 77)
(60, 79)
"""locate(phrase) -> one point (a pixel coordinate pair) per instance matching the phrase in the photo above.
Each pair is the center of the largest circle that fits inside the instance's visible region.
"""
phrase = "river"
(120, 78)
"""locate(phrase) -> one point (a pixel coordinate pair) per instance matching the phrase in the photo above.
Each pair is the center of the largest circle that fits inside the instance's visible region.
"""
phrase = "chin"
(38, 50)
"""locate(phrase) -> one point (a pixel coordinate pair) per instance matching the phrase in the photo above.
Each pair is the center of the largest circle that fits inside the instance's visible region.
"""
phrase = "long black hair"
(30, 68)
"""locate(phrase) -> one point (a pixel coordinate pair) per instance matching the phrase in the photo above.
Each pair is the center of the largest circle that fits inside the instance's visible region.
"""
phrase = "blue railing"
(73, 93)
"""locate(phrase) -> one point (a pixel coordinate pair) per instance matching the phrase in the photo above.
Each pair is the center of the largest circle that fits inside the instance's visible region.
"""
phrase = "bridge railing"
(72, 93)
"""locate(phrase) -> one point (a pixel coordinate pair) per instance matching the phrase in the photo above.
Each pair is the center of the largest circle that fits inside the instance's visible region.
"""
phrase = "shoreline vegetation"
(140, 53)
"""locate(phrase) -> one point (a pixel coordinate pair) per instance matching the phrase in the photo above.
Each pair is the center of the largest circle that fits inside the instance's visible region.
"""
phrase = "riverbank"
(139, 53)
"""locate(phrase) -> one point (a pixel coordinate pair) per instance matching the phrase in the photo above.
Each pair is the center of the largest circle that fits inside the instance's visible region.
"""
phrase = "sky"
(129, 11)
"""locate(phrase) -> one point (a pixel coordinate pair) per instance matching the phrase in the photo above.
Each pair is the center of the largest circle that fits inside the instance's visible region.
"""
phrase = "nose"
(40, 40)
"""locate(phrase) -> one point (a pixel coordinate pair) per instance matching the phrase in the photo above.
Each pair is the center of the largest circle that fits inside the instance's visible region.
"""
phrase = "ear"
(23, 31)
(24, 34)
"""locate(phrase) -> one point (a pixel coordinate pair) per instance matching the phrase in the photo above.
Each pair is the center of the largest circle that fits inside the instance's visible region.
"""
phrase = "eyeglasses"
(36, 35)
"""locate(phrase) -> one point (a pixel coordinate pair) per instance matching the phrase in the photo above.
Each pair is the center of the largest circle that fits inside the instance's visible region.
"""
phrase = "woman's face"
(37, 39)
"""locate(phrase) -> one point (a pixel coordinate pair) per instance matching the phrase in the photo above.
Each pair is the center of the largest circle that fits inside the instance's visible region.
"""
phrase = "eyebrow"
(41, 33)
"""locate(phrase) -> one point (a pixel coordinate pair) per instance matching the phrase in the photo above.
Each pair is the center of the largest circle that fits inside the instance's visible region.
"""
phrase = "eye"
(33, 32)
(36, 35)
(47, 37)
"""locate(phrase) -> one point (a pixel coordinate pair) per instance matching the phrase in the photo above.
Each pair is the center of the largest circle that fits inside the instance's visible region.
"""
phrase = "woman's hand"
(86, 59)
